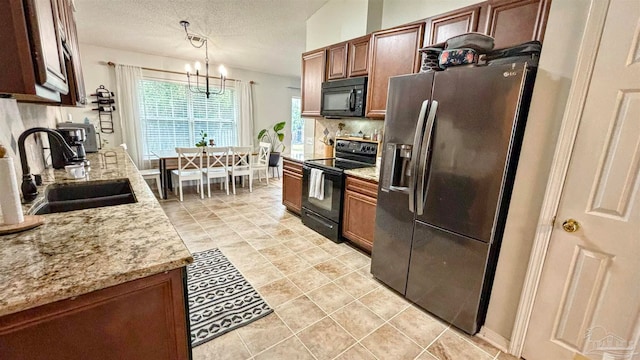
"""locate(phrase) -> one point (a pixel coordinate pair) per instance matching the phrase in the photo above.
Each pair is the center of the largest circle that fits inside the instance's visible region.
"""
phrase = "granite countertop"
(367, 173)
(301, 157)
(77, 252)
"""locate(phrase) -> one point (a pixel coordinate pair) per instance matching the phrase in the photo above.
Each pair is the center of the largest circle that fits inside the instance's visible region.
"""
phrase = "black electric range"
(324, 213)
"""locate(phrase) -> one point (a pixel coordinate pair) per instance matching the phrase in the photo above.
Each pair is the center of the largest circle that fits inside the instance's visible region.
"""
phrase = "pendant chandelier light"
(198, 41)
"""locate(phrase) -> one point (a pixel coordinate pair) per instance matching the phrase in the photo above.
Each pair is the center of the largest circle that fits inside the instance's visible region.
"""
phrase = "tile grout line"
(463, 337)
(244, 344)
(293, 335)
(289, 222)
(354, 345)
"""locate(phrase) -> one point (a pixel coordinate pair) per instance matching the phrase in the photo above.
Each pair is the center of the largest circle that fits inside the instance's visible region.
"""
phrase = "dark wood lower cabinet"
(292, 185)
(359, 212)
(144, 319)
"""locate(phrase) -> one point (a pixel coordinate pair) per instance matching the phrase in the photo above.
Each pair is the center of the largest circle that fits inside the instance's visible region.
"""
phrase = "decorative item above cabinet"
(40, 60)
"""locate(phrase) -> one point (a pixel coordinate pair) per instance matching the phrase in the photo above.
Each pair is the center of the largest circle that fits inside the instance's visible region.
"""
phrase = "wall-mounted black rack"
(104, 100)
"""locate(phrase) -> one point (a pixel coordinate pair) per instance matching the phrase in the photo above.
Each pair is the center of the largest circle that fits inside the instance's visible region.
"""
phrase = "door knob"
(570, 225)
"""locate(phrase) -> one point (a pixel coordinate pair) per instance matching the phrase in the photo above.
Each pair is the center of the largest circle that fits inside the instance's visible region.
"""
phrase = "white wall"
(374, 15)
(272, 93)
(336, 21)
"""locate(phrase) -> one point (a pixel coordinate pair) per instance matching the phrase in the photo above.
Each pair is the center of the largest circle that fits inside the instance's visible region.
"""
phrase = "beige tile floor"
(327, 305)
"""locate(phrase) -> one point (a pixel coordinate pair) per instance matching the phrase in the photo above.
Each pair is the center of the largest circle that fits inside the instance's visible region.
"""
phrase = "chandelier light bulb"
(187, 68)
(198, 66)
(223, 71)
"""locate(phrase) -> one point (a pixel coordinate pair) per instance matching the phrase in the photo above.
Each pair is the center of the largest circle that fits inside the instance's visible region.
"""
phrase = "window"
(173, 117)
(297, 126)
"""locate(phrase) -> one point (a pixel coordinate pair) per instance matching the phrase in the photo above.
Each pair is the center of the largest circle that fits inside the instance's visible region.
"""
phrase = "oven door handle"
(336, 174)
(319, 219)
(415, 154)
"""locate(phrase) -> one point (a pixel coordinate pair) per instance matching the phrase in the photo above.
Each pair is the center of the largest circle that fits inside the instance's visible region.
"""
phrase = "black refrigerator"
(451, 146)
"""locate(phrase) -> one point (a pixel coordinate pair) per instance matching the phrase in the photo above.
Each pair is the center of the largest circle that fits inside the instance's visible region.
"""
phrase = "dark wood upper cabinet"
(513, 22)
(313, 75)
(359, 56)
(41, 58)
(460, 21)
(77, 94)
(337, 61)
(348, 59)
(46, 44)
(393, 52)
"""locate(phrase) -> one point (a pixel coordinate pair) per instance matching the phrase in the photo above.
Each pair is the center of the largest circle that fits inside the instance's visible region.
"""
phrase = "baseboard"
(494, 339)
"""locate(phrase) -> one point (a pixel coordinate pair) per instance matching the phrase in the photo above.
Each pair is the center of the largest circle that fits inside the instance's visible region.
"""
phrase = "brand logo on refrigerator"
(509, 73)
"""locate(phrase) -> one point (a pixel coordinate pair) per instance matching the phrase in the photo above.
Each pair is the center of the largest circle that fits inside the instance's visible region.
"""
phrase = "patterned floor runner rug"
(220, 299)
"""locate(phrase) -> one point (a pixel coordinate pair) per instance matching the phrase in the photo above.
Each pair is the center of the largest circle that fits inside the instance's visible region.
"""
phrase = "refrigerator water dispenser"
(397, 166)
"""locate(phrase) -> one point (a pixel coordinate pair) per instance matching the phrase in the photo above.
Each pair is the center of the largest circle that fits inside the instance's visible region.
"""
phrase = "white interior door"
(588, 301)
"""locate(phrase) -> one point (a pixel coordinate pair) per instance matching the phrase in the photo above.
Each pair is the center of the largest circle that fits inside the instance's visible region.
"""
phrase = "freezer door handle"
(415, 148)
(424, 156)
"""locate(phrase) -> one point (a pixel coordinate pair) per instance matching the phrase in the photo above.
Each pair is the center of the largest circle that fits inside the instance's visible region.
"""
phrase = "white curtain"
(128, 107)
(244, 98)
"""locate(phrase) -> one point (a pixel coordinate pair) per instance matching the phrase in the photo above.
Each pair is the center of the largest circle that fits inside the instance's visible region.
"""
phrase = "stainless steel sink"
(86, 195)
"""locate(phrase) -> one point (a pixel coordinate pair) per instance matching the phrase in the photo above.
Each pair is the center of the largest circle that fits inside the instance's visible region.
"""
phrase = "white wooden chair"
(149, 174)
(261, 162)
(152, 174)
(240, 165)
(189, 168)
(217, 168)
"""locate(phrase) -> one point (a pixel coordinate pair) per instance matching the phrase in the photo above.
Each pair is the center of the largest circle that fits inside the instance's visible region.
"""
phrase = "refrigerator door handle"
(424, 156)
(415, 154)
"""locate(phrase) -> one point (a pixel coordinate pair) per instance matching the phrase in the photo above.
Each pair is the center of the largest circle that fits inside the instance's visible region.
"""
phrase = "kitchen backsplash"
(329, 127)
(16, 118)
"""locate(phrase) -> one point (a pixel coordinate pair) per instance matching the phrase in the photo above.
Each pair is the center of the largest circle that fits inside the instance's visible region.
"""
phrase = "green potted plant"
(203, 139)
(274, 136)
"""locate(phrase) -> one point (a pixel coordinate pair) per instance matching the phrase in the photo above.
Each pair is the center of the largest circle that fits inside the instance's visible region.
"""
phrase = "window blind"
(172, 116)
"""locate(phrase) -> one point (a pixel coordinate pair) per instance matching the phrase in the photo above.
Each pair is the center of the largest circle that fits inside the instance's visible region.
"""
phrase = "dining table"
(167, 161)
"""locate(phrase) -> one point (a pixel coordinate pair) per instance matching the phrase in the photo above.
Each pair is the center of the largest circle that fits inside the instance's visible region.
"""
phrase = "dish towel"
(316, 184)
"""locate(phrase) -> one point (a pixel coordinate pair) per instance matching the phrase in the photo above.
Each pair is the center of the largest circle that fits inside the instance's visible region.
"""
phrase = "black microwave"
(344, 97)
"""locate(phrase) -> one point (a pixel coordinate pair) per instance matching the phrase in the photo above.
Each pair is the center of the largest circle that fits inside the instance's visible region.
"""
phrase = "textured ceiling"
(260, 35)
